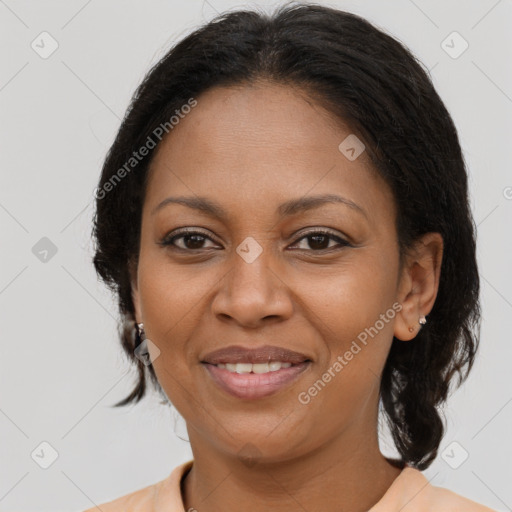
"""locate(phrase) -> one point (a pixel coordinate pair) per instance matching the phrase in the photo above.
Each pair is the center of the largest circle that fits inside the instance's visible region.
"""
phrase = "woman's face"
(259, 275)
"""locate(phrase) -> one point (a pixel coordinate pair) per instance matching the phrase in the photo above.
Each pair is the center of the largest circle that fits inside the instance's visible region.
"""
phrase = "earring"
(140, 334)
(422, 321)
(141, 347)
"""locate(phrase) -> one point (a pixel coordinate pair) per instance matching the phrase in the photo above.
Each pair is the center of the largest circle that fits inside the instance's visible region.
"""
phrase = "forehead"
(262, 144)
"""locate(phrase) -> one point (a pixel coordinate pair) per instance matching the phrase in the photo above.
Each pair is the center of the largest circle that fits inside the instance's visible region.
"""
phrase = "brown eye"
(192, 240)
(319, 241)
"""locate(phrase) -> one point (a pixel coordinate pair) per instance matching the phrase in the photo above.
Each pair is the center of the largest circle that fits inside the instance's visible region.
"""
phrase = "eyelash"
(169, 241)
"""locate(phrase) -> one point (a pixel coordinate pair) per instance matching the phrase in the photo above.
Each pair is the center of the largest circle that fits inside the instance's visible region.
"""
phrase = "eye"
(195, 240)
(319, 240)
(192, 240)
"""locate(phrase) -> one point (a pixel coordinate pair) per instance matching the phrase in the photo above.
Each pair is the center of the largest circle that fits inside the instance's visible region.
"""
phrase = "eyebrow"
(292, 207)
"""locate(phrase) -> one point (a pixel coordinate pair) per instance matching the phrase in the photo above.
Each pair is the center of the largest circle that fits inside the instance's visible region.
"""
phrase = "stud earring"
(140, 334)
(141, 347)
(422, 321)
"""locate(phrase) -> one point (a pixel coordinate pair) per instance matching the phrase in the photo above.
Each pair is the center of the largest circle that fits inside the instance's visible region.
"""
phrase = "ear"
(132, 268)
(419, 283)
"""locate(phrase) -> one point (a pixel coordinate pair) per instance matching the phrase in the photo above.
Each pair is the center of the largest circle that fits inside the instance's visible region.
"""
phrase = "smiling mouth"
(241, 381)
(244, 368)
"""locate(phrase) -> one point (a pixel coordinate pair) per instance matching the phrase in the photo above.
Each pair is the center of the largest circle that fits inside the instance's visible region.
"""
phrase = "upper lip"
(238, 354)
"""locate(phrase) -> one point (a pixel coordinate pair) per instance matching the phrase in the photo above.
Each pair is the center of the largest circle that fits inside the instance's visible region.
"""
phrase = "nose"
(253, 293)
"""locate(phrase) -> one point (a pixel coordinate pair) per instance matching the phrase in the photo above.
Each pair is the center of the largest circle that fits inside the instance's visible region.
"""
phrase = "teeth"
(255, 368)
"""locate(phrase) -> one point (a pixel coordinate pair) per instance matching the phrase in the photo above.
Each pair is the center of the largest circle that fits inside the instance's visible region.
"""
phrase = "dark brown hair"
(373, 83)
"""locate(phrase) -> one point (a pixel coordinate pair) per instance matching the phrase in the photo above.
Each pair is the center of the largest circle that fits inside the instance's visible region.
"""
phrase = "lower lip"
(255, 385)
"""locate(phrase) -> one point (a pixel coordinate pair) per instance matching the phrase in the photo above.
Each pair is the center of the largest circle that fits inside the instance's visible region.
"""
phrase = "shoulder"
(444, 499)
(432, 498)
(138, 501)
(165, 494)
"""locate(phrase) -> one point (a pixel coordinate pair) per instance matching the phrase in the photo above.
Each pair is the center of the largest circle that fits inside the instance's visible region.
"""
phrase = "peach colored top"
(410, 492)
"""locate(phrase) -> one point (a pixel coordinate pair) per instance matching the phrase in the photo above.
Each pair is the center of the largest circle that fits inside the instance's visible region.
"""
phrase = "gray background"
(61, 367)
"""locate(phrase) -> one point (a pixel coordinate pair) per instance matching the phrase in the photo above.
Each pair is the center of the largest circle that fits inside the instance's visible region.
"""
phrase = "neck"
(348, 474)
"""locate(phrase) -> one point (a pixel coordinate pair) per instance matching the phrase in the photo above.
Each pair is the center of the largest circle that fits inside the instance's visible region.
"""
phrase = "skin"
(252, 148)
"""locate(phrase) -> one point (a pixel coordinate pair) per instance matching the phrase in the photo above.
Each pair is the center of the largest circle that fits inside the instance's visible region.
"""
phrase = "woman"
(284, 217)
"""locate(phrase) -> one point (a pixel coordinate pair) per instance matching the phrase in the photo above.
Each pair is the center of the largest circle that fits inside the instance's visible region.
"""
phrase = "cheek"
(351, 309)
(349, 297)
(168, 294)
(171, 311)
